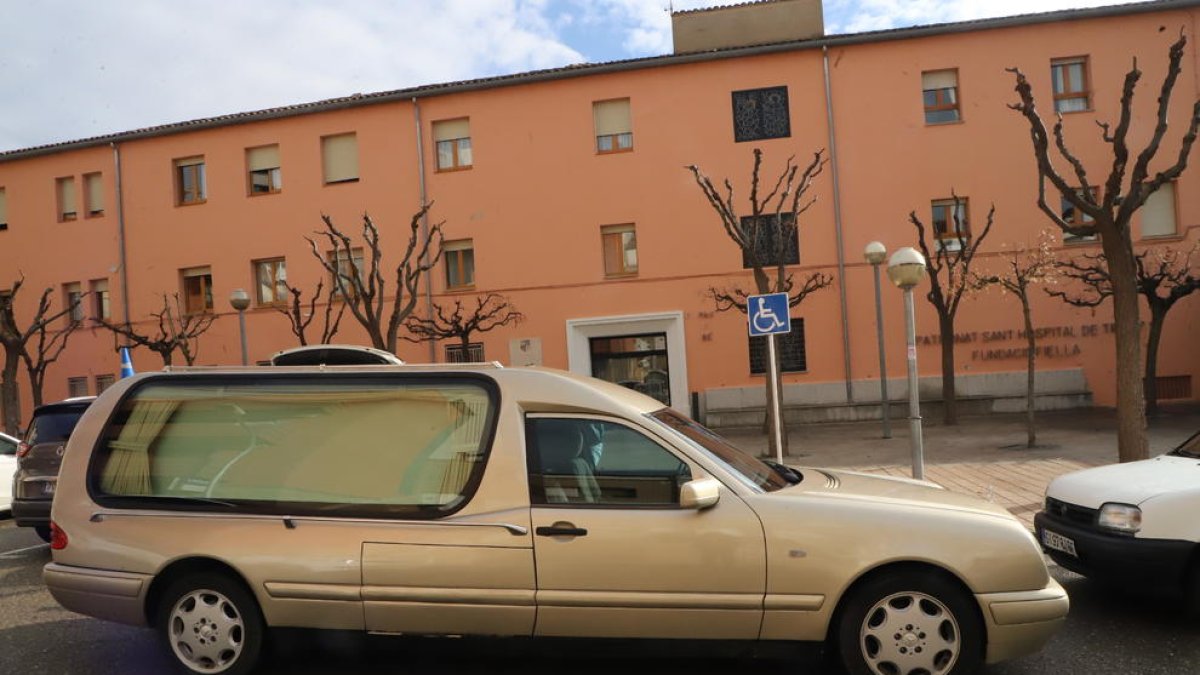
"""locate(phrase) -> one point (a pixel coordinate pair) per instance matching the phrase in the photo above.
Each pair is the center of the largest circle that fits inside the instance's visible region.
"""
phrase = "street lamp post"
(906, 269)
(240, 300)
(875, 254)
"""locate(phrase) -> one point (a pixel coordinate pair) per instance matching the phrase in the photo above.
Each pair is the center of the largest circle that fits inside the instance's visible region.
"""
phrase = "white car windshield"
(1189, 448)
(752, 471)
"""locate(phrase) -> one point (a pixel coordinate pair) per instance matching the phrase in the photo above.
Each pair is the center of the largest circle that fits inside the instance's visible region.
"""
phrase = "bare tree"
(361, 284)
(949, 267)
(1164, 276)
(15, 336)
(491, 311)
(765, 236)
(46, 348)
(174, 331)
(1111, 210)
(1025, 268)
(299, 318)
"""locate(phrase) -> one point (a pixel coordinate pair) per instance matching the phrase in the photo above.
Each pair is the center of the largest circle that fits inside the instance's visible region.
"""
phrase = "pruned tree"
(948, 261)
(1111, 209)
(44, 348)
(15, 336)
(299, 318)
(362, 285)
(1024, 268)
(491, 311)
(174, 330)
(1164, 276)
(765, 237)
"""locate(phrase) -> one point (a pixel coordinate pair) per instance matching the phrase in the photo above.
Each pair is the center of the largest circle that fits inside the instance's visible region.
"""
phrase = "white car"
(8, 466)
(1132, 525)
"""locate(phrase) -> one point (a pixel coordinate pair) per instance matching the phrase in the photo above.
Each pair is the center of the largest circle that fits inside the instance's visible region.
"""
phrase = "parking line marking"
(9, 554)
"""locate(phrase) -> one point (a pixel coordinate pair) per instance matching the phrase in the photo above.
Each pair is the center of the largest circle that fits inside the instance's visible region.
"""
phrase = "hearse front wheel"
(910, 623)
(211, 624)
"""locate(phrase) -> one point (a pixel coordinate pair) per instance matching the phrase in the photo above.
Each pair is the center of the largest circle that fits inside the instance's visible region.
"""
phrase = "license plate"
(48, 489)
(1058, 542)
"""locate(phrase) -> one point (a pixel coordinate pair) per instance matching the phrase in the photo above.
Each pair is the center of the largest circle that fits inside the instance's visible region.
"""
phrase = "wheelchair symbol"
(764, 319)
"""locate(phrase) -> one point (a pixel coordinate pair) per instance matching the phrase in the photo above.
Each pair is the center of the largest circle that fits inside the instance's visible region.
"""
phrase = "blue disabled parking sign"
(768, 314)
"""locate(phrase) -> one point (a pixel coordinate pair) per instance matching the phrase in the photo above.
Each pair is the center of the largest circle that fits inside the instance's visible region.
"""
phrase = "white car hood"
(1131, 483)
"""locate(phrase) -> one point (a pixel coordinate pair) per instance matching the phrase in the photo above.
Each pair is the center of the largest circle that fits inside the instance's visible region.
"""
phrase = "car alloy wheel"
(910, 622)
(910, 633)
(212, 625)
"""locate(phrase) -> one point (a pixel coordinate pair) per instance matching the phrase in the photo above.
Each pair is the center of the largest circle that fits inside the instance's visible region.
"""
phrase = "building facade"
(567, 191)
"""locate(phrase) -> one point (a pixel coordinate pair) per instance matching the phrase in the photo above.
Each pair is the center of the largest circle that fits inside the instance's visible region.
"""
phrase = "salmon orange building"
(566, 191)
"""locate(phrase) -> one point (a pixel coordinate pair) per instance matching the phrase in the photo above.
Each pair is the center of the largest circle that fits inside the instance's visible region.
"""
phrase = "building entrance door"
(636, 361)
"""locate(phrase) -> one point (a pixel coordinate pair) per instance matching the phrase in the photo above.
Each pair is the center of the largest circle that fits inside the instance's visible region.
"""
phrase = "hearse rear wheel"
(910, 623)
(211, 624)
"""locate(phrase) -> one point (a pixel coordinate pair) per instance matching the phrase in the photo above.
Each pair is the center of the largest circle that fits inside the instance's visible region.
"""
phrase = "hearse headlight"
(1121, 517)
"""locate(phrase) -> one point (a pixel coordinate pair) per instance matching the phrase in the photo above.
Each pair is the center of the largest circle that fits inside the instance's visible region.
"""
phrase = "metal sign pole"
(776, 416)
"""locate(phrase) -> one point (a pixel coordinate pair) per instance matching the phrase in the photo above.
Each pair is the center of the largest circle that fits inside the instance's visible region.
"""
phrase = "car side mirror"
(700, 494)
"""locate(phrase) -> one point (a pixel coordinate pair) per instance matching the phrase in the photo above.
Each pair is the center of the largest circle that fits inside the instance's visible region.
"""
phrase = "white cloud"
(87, 68)
(853, 16)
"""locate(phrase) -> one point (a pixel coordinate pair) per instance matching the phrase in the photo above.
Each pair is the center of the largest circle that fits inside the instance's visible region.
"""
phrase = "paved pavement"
(984, 456)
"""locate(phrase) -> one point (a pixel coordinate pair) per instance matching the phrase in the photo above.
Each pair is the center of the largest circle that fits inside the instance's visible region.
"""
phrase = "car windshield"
(1189, 448)
(751, 470)
(53, 427)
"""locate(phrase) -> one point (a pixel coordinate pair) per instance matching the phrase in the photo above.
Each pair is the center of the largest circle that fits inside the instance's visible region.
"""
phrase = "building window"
(791, 354)
(73, 301)
(1158, 213)
(939, 89)
(346, 266)
(766, 245)
(191, 186)
(620, 250)
(263, 166)
(65, 187)
(614, 132)
(759, 114)
(950, 224)
(197, 289)
(472, 354)
(104, 382)
(460, 263)
(453, 138)
(77, 386)
(93, 194)
(1070, 80)
(1077, 218)
(3, 209)
(339, 158)
(101, 302)
(271, 278)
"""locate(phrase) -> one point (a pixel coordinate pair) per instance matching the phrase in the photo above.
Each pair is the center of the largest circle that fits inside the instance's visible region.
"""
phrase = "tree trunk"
(37, 382)
(1131, 402)
(949, 398)
(1030, 429)
(10, 396)
(1157, 317)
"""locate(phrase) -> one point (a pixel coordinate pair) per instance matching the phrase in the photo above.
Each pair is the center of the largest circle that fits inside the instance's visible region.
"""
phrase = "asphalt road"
(1105, 634)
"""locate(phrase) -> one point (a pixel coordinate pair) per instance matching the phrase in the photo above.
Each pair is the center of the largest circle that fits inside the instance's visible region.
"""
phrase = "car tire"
(910, 622)
(43, 531)
(211, 624)
(1191, 591)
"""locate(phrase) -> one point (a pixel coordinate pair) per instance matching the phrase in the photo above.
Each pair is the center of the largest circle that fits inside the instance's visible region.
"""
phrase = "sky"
(73, 69)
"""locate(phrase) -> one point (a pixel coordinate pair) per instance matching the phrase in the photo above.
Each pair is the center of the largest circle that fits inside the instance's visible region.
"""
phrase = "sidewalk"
(983, 456)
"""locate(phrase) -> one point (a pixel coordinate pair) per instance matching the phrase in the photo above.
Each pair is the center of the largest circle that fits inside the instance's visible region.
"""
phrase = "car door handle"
(560, 531)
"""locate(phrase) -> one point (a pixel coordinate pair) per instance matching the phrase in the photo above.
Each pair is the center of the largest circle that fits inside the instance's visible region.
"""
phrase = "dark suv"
(38, 457)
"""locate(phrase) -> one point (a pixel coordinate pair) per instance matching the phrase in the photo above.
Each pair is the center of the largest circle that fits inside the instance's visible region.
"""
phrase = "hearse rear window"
(366, 446)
